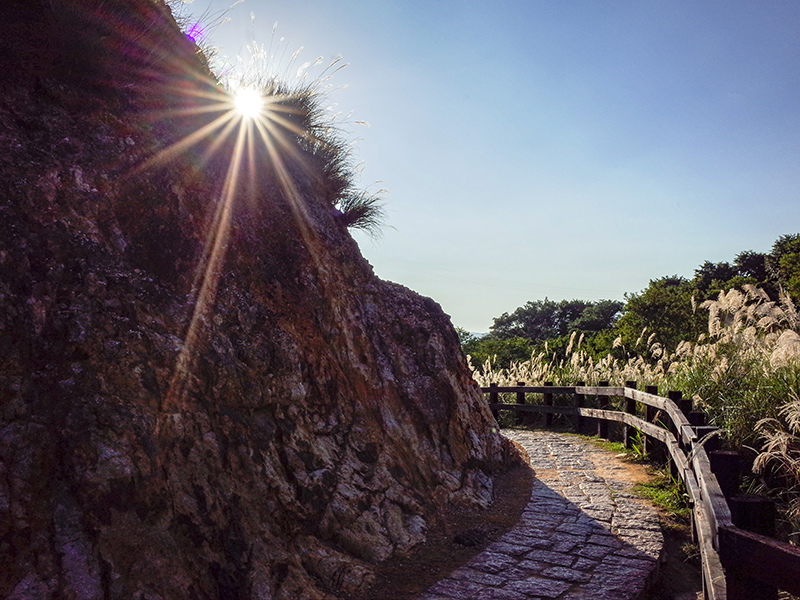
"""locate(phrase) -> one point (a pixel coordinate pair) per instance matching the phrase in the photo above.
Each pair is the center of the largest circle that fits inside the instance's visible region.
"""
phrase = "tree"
(709, 273)
(598, 316)
(783, 263)
(665, 309)
(542, 320)
(465, 337)
(752, 264)
(502, 351)
(536, 320)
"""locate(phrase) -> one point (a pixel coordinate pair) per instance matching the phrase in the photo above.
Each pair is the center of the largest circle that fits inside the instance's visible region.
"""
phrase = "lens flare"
(196, 32)
(248, 117)
(248, 103)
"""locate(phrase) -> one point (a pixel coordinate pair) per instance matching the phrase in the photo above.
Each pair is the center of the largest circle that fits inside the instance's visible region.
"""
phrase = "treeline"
(665, 311)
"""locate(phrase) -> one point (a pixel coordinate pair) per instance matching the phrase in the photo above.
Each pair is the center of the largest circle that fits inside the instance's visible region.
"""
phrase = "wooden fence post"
(650, 416)
(756, 514)
(743, 588)
(677, 398)
(602, 426)
(630, 408)
(726, 466)
(753, 513)
(548, 401)
(684, 404)
(579, 398)
(520, 400)
(712, 443)
(493, 400)
(697, 418)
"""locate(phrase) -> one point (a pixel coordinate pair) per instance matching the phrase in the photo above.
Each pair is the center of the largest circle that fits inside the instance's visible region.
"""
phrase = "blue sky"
(553, 148)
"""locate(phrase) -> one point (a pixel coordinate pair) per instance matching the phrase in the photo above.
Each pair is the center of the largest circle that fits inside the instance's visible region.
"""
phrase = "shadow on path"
(583, 534)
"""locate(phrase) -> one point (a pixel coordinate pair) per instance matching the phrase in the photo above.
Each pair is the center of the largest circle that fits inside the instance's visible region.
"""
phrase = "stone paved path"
(583, 535)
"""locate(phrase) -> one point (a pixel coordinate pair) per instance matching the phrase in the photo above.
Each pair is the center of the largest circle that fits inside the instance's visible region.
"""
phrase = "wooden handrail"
(600, 391)
(533, 389)
(719, 515)
(724, 548)
(761, 558)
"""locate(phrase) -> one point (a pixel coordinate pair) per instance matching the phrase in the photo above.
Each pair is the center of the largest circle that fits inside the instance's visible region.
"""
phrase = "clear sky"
(568, 149)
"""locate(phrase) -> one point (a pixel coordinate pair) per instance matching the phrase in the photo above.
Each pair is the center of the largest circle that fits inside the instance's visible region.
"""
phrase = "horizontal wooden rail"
(536, 408)
(676, 416)
(761, 558)
(729, 555)
(713, 572)
(532, 389)
(717, 511)
(645, 398)
(600, 391)
(715, 584)
(677, 455)
(690, 481)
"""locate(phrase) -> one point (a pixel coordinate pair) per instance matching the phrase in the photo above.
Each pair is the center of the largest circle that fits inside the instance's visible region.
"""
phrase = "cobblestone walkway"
(583, 535)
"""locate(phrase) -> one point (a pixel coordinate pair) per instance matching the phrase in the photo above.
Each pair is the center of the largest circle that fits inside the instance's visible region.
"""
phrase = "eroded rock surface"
(323, 418)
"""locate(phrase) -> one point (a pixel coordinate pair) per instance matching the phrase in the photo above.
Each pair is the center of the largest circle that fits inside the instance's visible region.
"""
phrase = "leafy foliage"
(752, 264)
(663, 310)
(545, 319)
(505, 352)
(465, 337)
(710, 273)
(783, 263)
(597, 316)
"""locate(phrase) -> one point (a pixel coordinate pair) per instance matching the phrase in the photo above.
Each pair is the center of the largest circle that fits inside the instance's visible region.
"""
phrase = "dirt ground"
(679, 574)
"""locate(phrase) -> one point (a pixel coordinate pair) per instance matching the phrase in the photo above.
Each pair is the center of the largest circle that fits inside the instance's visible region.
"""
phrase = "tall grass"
(778, 464)
(742, 371)
(745, 373)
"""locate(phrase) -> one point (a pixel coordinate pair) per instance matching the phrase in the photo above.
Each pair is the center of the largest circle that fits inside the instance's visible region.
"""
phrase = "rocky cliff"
(272, 435)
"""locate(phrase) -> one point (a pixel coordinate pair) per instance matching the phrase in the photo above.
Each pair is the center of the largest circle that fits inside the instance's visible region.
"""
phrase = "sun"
(248, 117)
(248, 103)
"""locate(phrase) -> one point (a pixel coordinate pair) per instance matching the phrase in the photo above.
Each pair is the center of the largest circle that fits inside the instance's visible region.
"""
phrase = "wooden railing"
(739, 562)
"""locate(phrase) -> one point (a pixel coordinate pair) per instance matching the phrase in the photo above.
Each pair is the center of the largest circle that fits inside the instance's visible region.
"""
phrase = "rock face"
(310, 422)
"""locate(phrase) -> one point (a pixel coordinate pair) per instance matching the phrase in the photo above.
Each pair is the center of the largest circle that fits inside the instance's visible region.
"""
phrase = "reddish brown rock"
(326, 417)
